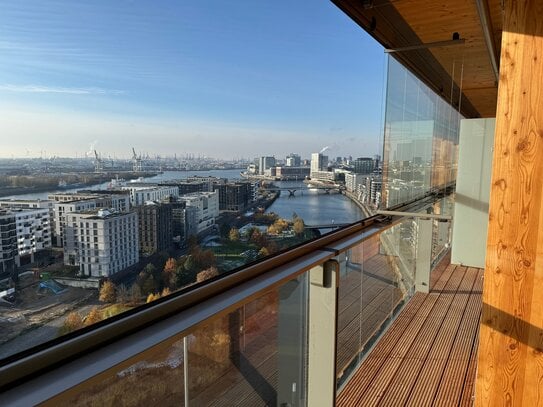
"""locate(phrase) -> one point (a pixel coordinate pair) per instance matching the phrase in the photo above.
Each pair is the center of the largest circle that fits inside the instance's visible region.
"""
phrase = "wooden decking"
(428, 355)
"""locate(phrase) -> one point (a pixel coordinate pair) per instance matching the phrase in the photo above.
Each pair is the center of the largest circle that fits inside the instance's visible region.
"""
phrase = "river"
(314, 207)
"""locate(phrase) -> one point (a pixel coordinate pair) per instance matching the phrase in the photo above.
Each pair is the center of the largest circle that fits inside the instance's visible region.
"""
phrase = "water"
(314, 207)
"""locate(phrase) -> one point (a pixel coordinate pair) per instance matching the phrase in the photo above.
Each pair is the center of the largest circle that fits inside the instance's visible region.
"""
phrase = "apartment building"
(139, 194)
(104, 242)
(33, 231)
(9, 256)
(207, 205)
(155, 226)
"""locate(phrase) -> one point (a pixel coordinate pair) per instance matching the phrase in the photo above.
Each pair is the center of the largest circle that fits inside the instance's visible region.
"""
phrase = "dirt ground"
(37, 309)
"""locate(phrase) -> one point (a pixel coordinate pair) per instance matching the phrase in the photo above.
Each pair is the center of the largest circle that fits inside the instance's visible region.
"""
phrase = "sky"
(224, 79)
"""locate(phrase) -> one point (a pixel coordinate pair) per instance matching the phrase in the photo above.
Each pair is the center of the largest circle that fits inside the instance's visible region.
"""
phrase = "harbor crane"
(136, 162)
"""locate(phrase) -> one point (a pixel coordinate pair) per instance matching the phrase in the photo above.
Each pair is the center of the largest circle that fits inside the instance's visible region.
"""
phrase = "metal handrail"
(156, 319)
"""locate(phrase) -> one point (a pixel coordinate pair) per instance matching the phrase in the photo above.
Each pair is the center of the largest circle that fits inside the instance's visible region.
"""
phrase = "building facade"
(207, 206)
(265, 164)
(319, 163)
(234, 196)
(141, 194)
(33, 231)
(9, 257)
(105, 242)
(154, 226)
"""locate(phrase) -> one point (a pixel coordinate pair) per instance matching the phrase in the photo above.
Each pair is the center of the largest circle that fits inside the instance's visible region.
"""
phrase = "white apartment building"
(105, 242)
(352, 181)
(33, 230)
(30, 204)
(140, 194)
(104, 199)
(62, 209)
(9, 258)
(207, 204)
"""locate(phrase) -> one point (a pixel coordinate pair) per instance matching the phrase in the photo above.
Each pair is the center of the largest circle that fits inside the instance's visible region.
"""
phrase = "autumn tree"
(263, 252)
(168, 274)
(72, 322)
(298, 226)
(94, 316)
(206, 274)
(152, 297)
(233, 235)
(107, 292)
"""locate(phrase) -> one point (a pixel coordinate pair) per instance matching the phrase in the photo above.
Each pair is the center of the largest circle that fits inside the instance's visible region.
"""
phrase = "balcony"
(345, 315)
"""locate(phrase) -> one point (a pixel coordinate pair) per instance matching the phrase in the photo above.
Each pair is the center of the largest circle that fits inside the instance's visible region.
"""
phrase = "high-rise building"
(207, 204)
(8, 244)
(154, 226)
(234, 196)
(140, 194)
(265, 164)
(319, 162)
(33, 231)
(105, 242)
(364, 165)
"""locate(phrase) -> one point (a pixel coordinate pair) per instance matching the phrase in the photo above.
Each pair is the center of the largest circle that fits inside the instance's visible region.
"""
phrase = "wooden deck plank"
(411, 358)
(427, 355)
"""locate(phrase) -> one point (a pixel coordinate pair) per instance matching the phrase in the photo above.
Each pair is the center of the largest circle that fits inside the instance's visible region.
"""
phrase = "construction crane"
(136, 162)
(98, 164)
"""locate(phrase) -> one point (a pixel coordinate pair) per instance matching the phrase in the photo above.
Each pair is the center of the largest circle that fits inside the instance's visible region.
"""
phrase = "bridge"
(292, 190)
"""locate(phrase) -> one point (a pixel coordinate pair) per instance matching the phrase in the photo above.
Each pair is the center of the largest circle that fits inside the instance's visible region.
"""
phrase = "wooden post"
(510, 369)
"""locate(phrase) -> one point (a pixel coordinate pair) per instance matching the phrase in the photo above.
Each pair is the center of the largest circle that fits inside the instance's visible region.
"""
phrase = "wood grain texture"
(510, 370)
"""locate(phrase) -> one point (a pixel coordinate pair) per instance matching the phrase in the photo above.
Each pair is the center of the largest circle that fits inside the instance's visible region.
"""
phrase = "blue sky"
(220, 78)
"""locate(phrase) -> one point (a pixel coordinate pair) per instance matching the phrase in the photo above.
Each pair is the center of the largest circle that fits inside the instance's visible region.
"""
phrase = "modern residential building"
(319, 162)
(187, 186)
(353, 180)
(234, 196)
(33, 231)
(265, 165)
(9, 256)
(290, 173)
(62, 209)
(364, 165)
(207, 204)
(104, 242)
(155, 224)
(140, 194)
(33, 203)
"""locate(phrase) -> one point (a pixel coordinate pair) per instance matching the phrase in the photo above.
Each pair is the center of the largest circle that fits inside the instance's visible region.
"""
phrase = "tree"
(165, 292)
(152, 297)
(233, 235)
(263, 252)
(72, 322)
(107, 292)
(94, 316)
(298, 226)
(168, 275)
(206, 274)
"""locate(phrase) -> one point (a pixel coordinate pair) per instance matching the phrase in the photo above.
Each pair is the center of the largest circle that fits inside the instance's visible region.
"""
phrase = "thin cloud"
(54, 89)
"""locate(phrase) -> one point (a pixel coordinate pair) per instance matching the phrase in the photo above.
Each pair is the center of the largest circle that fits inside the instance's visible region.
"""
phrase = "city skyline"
(214, 79)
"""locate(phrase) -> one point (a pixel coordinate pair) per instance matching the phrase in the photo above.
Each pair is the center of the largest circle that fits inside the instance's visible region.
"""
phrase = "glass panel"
(369, 294)
(154, 377)
(421, 138)
(255, 355)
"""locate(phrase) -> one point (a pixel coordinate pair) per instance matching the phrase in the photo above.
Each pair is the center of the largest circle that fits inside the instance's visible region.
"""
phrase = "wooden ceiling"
(450, 70)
